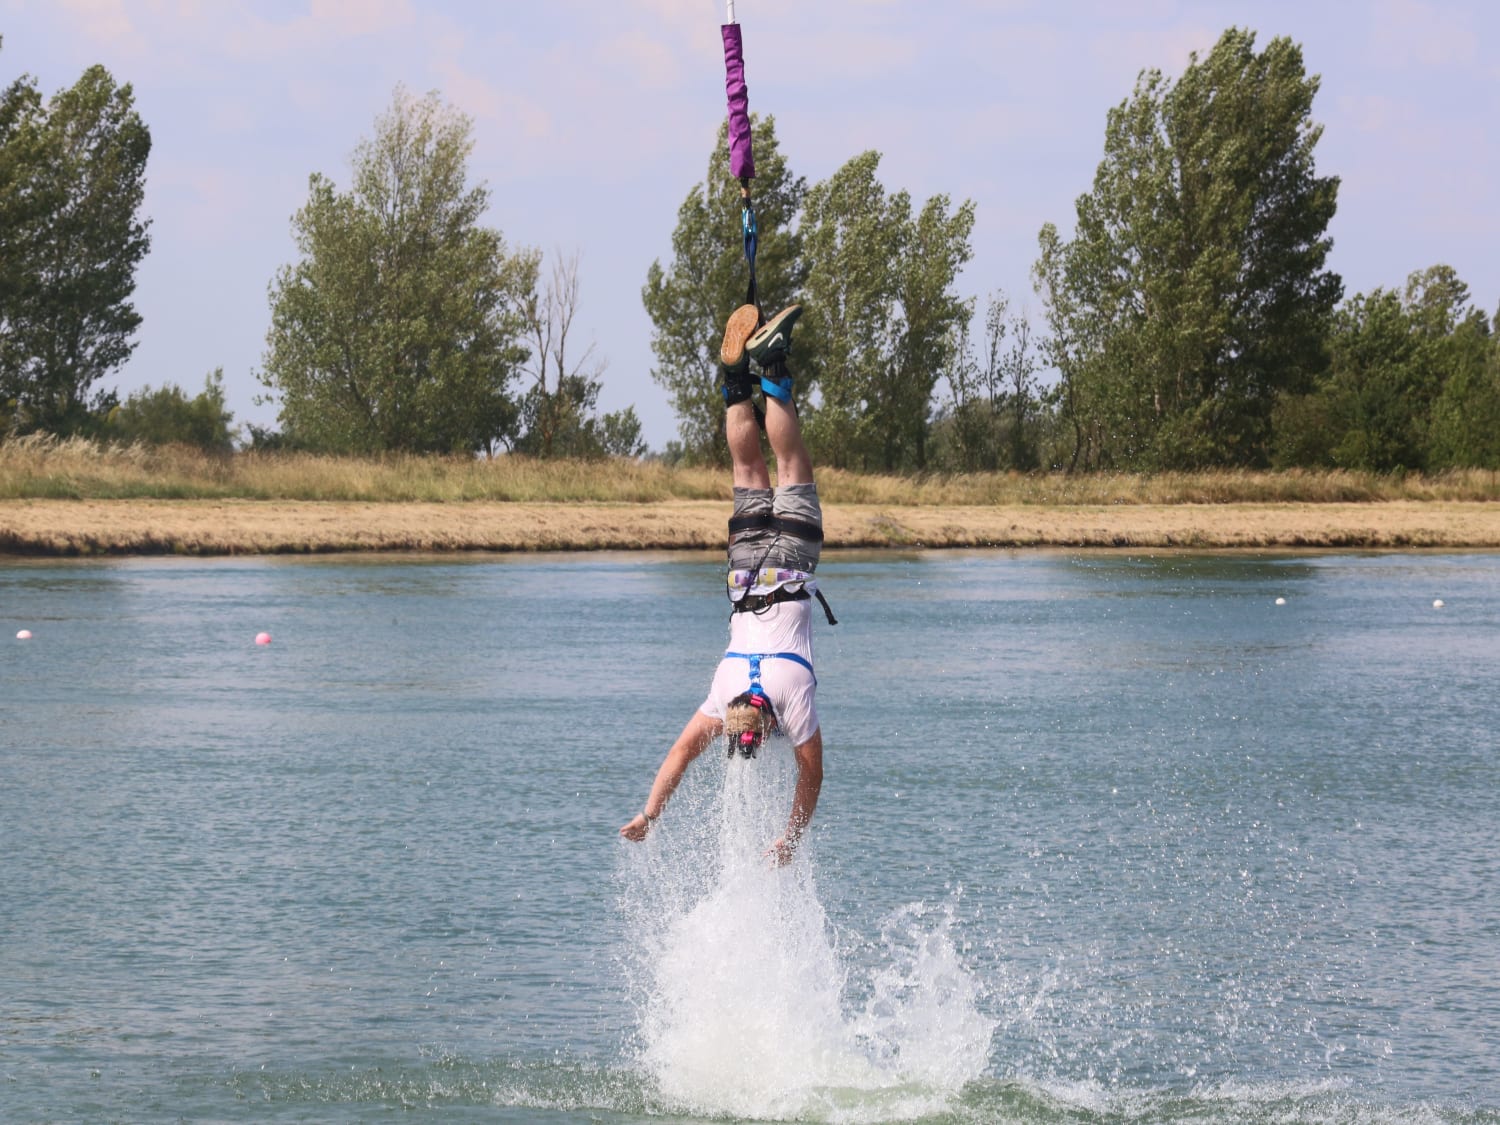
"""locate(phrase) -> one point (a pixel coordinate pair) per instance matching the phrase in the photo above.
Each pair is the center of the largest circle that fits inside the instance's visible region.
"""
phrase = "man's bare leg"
(793, 465)
(768, 347)
(743, 434)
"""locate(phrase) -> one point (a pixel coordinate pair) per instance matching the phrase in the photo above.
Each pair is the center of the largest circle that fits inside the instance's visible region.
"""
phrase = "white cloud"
(104, 21)
(1410, 33)
(640, 59)
(345, 18)
(100, 19)
(206, 202)
(485, 101)
(1376, 113)
(1168, 50)
(241, 28)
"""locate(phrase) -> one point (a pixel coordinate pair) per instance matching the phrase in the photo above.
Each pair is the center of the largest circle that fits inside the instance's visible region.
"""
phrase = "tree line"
(406, 324)
(1190, 320)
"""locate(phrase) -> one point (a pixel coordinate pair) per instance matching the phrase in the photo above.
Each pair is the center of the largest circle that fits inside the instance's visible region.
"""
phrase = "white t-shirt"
(785, 627)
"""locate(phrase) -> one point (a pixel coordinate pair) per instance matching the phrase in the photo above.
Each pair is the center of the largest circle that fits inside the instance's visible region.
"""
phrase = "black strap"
(786, 524)
(753, 522)
(754, 603)
(827, 612)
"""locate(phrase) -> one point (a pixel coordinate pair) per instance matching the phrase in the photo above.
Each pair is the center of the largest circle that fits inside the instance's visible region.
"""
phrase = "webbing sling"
(766, 521)
(756, 657)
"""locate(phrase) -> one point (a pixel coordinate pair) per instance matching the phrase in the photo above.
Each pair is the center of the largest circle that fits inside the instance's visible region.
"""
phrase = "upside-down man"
(765, 682)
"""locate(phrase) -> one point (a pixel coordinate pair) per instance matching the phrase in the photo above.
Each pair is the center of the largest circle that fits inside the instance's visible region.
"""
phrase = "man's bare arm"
(809, 756)
(700, 730)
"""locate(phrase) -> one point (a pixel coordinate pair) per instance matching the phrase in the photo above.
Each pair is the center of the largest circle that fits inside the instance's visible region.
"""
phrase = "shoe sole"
(742, 325)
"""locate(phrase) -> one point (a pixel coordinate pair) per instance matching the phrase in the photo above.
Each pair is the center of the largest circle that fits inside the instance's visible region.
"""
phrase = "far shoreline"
(113, 528)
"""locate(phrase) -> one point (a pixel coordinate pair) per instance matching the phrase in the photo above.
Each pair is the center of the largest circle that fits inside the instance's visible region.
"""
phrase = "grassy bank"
(48, 469)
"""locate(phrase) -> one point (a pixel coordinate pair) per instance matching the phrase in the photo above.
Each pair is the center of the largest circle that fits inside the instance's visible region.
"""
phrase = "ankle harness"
(776, 381)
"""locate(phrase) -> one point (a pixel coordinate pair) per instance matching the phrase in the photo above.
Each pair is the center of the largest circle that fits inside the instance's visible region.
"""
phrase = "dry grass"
(220, 527)
(1295, 486)
(46, 468)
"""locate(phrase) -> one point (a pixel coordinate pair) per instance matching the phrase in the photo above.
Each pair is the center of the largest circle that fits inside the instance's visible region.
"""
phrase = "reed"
(40, 467)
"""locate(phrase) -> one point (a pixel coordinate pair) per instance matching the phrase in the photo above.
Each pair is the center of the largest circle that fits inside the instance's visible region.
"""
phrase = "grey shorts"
(768, 546)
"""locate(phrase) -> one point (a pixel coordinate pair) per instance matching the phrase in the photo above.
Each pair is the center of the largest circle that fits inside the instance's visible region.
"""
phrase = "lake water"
(1103, 838)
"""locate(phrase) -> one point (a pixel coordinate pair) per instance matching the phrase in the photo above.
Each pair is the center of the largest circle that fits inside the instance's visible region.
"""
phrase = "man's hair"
(748, 713)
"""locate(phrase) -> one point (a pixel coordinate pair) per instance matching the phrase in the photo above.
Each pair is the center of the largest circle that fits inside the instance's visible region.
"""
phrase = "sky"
(593, 121)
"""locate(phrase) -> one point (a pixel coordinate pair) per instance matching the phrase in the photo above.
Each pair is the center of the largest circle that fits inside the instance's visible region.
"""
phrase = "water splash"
(744, 993)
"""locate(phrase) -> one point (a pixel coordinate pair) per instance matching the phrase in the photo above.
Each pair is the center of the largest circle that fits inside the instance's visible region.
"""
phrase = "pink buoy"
(24, 635)
(262, 638)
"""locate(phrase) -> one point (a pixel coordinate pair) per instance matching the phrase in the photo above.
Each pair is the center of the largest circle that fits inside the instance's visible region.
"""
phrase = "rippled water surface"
(1103, 838)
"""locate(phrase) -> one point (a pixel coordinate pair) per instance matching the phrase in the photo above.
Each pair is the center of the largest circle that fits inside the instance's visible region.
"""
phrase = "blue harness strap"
(756, 657)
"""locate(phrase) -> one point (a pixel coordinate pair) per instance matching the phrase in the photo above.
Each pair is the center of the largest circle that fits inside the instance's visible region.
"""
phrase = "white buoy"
(1437, 603)
(24, 635)
(262, 638)
(1281, 601)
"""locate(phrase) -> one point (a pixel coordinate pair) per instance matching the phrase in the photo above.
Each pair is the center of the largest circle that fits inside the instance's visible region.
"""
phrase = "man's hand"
(637, 828)
(781, 853)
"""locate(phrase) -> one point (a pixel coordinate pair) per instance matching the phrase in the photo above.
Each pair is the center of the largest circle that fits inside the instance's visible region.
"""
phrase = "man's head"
(748, 718)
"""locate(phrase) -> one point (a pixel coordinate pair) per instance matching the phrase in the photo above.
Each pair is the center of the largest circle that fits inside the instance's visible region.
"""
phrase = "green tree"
(400, 327)
(882, 316)
(167, 415)
(1194, 289)
(1379, 388)
(1461, 398)
(1465, 427)
(22, 211)
(1089, 412)
(564, 423)
(72, 177)
(689, 300)
(990, 417)
(558, 417)
(1412, 384)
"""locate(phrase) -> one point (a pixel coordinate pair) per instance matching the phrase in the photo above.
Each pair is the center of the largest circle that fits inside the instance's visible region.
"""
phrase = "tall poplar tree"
(1194, 290)
(400, 327)
(882, 316)
(72, 178)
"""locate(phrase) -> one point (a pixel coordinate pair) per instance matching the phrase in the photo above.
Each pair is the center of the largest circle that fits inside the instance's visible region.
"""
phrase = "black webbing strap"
(786, 524)
(827, 612)
(755, 603)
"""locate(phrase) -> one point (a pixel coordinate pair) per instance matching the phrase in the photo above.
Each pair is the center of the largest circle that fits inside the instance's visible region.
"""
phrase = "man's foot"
(769, 346)
(734, 361)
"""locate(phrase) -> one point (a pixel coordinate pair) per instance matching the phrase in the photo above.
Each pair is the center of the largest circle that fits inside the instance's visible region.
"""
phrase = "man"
(765, 682)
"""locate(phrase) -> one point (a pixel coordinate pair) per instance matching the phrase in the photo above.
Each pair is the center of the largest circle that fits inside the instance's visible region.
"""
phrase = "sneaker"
(770, 344)
(734, 362)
